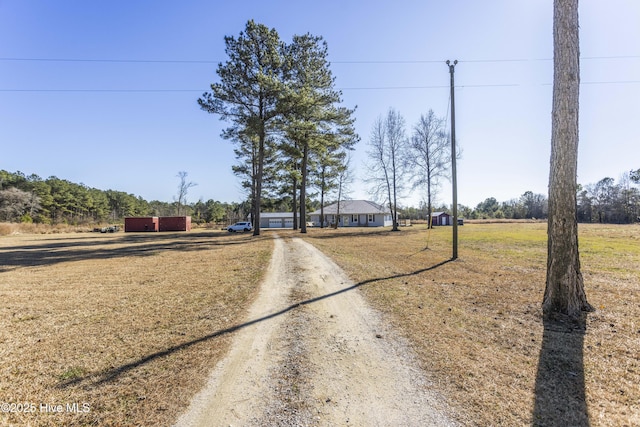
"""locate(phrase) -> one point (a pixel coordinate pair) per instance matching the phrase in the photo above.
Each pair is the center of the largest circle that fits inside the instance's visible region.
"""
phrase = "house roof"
(351, 207)
(276, 214)
(439, 213)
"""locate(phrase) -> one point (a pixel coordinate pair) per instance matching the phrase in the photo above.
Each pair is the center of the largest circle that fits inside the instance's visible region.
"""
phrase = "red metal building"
(175, 223)
(141, 224)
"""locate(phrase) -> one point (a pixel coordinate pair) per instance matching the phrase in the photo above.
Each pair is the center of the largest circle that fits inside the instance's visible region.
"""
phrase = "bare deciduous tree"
(14, 203)
(331, 175)
(344, 179)
(429, 156)
(387, 146)
(183, 189)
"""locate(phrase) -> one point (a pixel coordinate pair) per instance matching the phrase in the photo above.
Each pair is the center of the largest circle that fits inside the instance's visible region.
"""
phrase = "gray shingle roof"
(276, 215)
(350, 207)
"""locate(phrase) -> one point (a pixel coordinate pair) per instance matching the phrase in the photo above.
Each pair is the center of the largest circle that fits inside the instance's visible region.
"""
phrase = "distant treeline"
(604, 202)
(53, 200)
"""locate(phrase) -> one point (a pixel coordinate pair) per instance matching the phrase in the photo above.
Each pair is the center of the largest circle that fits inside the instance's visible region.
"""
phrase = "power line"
(463, 86)
(105, 90)
(588, 58)
(124, 61)
(427, 87)
(365, 62)
(611, 82)
(368, 88)
(392, 87)
(432, 61)
(204, 90)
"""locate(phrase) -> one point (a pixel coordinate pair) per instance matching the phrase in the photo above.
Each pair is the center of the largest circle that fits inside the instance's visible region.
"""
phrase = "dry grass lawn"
(131, 324)
(476, 322)
(125, 325)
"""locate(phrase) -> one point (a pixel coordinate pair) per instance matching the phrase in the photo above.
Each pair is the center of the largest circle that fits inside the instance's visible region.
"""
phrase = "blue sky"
(110, 122)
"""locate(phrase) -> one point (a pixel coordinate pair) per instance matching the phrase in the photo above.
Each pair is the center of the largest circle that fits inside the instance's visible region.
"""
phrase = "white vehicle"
(240, 226)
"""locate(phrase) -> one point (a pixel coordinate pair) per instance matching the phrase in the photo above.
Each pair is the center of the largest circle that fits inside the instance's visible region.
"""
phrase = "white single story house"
(354, 213)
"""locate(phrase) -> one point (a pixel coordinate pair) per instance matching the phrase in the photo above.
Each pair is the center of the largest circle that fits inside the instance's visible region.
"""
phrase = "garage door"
(275, 223)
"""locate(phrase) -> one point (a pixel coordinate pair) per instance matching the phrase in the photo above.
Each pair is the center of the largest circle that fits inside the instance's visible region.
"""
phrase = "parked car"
(240, 226)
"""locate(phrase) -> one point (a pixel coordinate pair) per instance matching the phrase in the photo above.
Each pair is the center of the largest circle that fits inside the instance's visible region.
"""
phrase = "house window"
(354, 218)
(370, 218)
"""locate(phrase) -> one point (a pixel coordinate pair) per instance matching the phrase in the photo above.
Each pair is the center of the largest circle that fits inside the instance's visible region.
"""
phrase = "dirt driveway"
(314, 353)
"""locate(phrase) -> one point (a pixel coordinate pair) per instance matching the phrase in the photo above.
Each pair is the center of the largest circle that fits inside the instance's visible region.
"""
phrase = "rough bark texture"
(564, 292)
(303, 188)
(294, 203)
(258, 196)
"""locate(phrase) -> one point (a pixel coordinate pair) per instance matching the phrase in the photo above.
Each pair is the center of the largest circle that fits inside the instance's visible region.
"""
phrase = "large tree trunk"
(337, 218)
(294, 204)
(564, 291)
(258, 198)
(303, 188)
(322, 189)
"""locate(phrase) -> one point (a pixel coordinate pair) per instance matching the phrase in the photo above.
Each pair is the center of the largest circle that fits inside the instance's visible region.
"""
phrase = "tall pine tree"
(313, 120)
(247, 96)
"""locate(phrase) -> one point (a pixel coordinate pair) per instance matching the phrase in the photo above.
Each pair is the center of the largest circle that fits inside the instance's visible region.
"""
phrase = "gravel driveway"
(313, 353)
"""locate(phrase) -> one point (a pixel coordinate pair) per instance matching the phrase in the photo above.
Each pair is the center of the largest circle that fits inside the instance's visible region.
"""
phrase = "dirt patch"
(314, 353)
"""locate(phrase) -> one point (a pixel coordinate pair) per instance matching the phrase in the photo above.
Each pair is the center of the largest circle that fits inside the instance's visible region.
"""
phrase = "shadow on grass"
(114, 373)
(560, 392)
(331, 233)
(128, 245)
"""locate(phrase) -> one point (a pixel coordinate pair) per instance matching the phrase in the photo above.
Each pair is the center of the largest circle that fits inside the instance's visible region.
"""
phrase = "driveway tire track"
(329, 362)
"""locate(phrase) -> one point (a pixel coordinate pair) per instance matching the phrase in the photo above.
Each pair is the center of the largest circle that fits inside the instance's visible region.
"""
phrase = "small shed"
(441, 218)
(133, 224)
(175, 223)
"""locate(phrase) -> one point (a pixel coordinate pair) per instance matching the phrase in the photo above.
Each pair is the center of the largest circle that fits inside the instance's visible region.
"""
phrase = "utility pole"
(454, 177)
